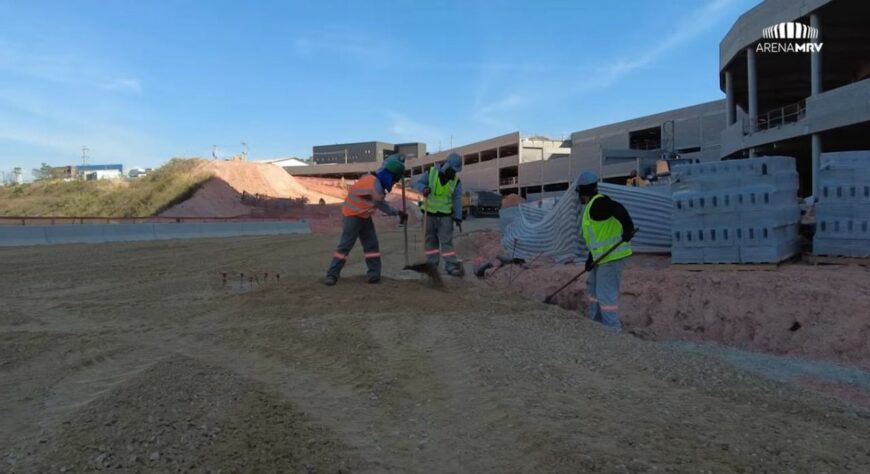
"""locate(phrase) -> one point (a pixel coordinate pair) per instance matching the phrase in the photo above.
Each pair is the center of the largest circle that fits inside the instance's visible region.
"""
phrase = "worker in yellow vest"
(604, 224)
(364, 197)
(443, 207)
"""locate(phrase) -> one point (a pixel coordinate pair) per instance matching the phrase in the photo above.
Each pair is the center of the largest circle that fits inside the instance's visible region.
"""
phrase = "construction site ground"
(140, 357)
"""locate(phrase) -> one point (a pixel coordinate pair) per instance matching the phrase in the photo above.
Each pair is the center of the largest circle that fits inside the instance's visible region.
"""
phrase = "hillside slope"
(173, 183)
(181, 188)
(220, 195)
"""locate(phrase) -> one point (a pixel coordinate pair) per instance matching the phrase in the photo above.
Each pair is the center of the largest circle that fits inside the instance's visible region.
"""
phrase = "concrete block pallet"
(741, 211)
(843, 209)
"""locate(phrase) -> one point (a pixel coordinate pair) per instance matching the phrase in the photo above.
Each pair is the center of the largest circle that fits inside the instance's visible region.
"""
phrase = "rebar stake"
(513, 255)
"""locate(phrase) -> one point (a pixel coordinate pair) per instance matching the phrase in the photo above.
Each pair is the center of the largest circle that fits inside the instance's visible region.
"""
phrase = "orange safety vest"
(361, 197)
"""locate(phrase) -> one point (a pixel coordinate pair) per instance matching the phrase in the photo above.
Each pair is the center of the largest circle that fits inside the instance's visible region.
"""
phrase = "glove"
(426, 191)
(458, 223)
(403, 217)
(589, 263)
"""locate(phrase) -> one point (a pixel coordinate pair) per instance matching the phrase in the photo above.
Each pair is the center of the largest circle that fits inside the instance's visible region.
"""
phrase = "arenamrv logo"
(793, 32)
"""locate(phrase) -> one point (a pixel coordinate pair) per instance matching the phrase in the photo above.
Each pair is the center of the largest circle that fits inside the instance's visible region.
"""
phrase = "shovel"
(424, 266)
(405, 227)
(549, 299)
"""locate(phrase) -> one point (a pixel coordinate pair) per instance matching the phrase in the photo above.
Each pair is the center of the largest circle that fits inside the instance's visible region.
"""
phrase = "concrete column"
(752, 80)
(815, 61)
(817, 154)
(730, 112)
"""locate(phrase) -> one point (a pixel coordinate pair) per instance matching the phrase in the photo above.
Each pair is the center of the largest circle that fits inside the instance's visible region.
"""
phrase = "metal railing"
(776, 118)
(507, 181)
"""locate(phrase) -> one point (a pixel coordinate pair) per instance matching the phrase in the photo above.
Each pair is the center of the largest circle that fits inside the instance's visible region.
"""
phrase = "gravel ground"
(136, 357)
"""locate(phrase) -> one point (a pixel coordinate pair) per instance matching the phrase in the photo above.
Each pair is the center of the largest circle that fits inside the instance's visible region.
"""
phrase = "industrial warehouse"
(683, 291)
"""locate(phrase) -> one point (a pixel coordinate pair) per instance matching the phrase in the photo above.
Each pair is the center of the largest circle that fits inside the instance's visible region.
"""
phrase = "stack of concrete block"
(843, 209)
(737, 211)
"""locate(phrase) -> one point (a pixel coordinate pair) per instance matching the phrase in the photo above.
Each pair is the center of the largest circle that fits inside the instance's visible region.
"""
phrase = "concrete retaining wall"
(12, 235)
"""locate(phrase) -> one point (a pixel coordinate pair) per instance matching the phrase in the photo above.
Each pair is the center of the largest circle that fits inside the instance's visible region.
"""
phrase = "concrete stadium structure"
(363, 152)
(616, 149)
(778, 102)
(798, 104)
(537, 166)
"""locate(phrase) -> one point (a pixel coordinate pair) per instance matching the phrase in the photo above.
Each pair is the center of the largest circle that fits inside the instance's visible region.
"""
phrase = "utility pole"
(85, 151)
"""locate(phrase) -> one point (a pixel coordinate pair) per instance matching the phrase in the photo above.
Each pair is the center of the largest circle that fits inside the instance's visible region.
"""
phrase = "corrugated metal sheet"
(554, 228)
(651, 212)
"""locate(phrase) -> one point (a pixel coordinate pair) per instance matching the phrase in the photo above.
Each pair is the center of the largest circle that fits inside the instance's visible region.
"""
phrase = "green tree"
(43, 173)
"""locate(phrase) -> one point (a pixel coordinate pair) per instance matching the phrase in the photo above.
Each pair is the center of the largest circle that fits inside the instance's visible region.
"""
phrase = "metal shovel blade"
(427, 269)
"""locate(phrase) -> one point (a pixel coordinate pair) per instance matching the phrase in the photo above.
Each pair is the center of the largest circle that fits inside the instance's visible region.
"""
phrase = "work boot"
(457, 271)
(330, 280)
(374, 279)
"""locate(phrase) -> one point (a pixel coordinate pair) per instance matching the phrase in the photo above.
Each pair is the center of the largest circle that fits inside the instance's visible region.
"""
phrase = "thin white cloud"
(341, 44)
(406, 129)
(496, 112)
(60, 147)
(55, 132)
(529, 82)
(124, 85)
(687, 28)
(63, 68)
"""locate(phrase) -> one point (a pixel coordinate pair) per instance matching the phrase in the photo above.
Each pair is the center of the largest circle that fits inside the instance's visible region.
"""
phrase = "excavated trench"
(818, 312)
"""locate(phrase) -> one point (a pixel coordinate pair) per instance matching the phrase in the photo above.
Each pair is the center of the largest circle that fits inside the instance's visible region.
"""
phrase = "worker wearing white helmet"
(606, 227)
(442, 190)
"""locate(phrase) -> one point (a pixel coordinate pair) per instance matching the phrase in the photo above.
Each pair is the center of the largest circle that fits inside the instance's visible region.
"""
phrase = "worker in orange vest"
(363, 198)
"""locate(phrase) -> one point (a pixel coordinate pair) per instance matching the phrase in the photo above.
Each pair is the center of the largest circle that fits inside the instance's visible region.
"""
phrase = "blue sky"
(139, 82)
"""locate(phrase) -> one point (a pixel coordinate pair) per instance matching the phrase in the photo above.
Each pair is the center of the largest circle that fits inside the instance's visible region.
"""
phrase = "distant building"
(285, 162)
(363, 152)
(136, 173)
(95, 172)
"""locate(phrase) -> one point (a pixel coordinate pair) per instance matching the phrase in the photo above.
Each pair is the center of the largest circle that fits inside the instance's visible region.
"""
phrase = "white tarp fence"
(553, 230)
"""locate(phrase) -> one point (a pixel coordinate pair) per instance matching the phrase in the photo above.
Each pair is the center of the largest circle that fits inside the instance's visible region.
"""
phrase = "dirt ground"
(138, 357)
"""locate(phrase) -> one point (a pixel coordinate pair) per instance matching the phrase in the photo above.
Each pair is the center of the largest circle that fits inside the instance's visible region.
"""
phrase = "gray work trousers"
(439, 234)
(363, 229)
(602, 291)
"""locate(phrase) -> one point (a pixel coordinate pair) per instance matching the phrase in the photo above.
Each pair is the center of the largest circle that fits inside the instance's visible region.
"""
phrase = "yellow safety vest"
(600, 236)
(440, 195)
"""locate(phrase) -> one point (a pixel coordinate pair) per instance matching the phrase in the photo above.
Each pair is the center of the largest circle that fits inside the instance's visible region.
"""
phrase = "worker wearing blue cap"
(605, 224)
(443, 206)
